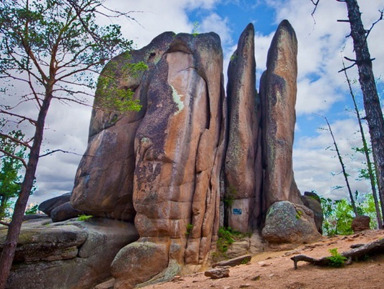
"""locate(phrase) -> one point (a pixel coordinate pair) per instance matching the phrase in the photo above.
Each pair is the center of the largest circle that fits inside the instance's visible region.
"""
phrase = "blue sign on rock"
(237, 211)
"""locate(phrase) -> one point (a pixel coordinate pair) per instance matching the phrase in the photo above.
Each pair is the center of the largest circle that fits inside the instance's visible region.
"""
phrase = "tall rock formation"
(104, 178)
(163, 167)
(163, 163)
(243, 170)
(179, 150)
(278, 99)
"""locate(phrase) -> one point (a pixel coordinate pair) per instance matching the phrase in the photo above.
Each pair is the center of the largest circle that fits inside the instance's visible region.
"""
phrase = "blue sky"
(321, 89)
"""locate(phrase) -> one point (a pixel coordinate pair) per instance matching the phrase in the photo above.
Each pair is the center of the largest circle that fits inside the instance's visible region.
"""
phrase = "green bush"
(338, 214)
(336, 260)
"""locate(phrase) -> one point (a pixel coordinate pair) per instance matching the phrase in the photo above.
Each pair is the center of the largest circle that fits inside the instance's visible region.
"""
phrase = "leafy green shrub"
(227, 236)
(84, 217)
(338, 214)
(336, 260)
(32, 210)
(189, 229)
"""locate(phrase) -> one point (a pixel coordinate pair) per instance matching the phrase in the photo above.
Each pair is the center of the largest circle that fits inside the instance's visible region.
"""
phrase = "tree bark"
(8, 253)
(366, 153)
(372, 106)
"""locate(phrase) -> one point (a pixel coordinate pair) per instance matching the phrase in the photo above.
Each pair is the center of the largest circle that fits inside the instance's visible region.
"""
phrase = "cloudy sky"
(322, 91)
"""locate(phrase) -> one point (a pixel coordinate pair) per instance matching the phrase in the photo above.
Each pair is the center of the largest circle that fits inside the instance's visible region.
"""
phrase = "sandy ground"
(275, 269)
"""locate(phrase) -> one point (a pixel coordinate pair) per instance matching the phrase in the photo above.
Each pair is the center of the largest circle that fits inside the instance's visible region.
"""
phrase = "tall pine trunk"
(8, 253)
(372, 106)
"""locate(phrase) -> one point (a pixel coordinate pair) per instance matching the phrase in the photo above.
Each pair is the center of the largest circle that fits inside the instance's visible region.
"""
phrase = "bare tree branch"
(32, 121)
(62, 151)
(315, 3)
(373, 24)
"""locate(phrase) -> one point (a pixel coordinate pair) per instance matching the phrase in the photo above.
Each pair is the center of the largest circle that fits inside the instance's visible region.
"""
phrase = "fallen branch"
(373, 248)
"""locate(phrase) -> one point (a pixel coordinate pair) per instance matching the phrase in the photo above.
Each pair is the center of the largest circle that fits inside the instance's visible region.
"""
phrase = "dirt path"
(275, 270)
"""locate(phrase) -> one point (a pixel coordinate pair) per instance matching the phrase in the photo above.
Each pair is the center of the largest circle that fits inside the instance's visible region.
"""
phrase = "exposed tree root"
(373, 248)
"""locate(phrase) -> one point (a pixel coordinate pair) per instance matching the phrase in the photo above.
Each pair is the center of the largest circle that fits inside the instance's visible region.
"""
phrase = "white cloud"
(219, 25)
(262, 43)
(316, 164)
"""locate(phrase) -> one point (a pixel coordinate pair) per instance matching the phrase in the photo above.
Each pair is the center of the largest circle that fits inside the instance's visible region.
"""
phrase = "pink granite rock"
(243, 170)
(278, 99)
(104, 179)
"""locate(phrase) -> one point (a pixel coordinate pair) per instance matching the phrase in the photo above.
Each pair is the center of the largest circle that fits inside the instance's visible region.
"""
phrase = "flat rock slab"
(70, 254)
(217, 273)
(46, 243)
(234, 262)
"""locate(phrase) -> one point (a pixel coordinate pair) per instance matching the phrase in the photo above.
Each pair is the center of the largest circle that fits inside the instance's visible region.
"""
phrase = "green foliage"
(299, 213)
(32, 210)
(336, 260)
(84, 217)
(10, 169)
(189, 229)
(338, 214)
(226, 238)
(338, 217)
(233, 57)
(111, 96)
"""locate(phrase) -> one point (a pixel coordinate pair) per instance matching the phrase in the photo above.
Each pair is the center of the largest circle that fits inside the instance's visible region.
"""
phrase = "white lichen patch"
(177, 98)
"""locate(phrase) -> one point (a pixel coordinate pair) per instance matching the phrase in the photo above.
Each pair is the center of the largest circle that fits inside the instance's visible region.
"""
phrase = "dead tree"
(363, 61)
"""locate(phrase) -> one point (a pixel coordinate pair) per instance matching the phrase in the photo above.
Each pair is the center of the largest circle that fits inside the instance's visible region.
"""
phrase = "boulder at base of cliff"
(139, 262)
(289, 223)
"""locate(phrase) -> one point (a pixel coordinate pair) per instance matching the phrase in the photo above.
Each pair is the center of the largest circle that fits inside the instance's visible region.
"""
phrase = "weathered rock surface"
(243, 170)
(278, 99)
(139, 262)
(312, 201)
(69, 254)
(104, 179)
(289, 223)
(40, 241)
(360, 223)
(64, 212)
(217, 273)
(179, 152)
(48, 205)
